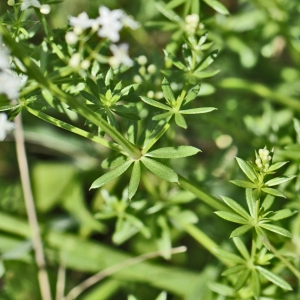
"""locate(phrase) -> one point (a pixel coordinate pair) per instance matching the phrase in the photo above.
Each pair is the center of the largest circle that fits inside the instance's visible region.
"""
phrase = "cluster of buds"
(263, 159)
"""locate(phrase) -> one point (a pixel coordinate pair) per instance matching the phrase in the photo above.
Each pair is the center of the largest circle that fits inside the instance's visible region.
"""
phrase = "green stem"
(182, 95)
(283, 260)
(201, 238)
(260, 90)
(74, 129)
(34, 72)
(210, 200)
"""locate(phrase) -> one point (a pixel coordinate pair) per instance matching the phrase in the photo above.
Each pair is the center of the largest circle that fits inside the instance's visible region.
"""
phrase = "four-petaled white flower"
(28, 3)
(120, 55)
(5, 126)
(10, 85)
(111, 23)
(82, 21)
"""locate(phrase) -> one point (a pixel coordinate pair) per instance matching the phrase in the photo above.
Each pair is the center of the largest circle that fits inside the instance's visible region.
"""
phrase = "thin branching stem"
(77, 290)
(31, 212)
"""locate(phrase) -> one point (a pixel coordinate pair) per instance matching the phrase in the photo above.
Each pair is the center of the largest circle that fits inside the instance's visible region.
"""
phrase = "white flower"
(74, 61)
(45, 9)
(4, 61)
(71, 38)
(129, 22)
(120, 55)
(82, 21)
(10, 85)
(111, 23)
(5, 126)
(28, 3)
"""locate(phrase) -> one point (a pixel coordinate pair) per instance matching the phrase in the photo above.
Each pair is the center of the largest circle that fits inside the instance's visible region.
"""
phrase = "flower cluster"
(263, 159)
(44, 8)
(107, 25)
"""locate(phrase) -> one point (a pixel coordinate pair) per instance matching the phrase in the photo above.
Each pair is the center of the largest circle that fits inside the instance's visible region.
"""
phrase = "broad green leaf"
(279, 180)
(231, 257)
(167, 91)
(180, 121)
(173, 152)
(276, 166)
(244, 183)
(109, 176)
(273, 192)
(281, 214)
(236, 207)
(207, 61)
(250, 202)
(159, 169)
(192, 94)
(232, 217)
(240, 230)
(134, 179)
(201, 110)
(277, 229)
(233, 270)
(217, 6)
(93, 87)
(90, 97)
(241, 279)
(241, 247)
(246, 169)
(175, 61)
(155, 103)
(274, 278)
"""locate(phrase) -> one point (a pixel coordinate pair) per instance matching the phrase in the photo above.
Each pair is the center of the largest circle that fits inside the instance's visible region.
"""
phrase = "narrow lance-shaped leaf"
(173, 152)
(201, 110)
(217, 6)
(92, 86)
(241, 247)
(233, 270)
(277, 229)
(240, 231)
(276, 166)
(175, 61)
(244, 184)
(232, 217)
(250, 202)
(206, 61)
(281, 214)
(192, 94)
(180, 121)
(168, 13)
(205, 74)
(134, 179)
(90, 97)
(233, 258)
(274, 278)
(246, 169)
(155, 103)
(167, 91)
(279, 180)
(160, 170)
(241, 279)
(236, 207)
(111, 175)
(273, 192)
(255, 282)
